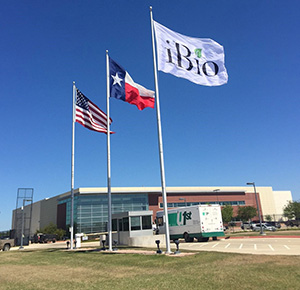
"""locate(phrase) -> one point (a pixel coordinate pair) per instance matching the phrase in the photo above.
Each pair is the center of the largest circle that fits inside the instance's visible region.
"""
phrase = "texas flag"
(123, 87)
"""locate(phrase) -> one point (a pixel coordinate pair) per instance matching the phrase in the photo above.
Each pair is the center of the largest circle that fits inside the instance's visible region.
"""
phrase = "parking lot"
(257, 246)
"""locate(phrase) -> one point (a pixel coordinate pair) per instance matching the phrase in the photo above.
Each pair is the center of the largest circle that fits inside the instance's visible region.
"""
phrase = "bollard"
(158, 249)
(177, 247)
(103, 240)
(75, 242)
(115, 245)
(103, 245)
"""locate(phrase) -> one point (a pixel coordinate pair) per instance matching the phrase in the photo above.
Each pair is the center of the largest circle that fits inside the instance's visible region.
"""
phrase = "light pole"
(183, 198)
(217, 190)
(258, 209)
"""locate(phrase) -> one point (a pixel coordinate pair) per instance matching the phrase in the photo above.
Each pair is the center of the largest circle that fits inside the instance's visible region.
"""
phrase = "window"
(181, 204)
(146, 222)
(120, 225)
(91, 211)
(125, 224)
(160, 221)
(135, 223)
(114, 224)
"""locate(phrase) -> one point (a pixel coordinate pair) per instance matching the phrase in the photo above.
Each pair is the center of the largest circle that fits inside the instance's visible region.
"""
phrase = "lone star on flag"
(117, 80)
(127, 90)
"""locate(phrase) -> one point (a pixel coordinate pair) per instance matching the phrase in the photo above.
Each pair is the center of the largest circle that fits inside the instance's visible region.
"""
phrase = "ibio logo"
(191, 60)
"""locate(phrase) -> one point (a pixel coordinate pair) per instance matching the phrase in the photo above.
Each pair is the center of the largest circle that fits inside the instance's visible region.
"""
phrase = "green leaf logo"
(198, 52)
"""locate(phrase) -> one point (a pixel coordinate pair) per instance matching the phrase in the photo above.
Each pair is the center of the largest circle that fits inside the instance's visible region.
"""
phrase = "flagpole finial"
(73, 82)
(150, 8)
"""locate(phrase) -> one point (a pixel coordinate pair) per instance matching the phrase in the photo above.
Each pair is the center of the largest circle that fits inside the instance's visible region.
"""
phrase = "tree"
(227, 213)
(292, 210)
(52, 229)
(268, 218)
(246, 212)
(60, 233)
(49, 229)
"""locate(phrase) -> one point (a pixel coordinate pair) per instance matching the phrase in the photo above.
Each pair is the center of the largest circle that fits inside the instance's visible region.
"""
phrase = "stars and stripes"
(89, 115)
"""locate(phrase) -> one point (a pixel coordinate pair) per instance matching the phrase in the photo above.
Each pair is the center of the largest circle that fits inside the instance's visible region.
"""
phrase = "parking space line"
(271, 247)
(227, 246)
(215, 245)
(255, 247)
(286, 247)
(204, 244)
(241, 246)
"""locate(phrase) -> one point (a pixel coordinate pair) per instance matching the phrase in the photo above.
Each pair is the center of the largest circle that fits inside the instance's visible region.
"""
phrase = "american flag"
(89, 115)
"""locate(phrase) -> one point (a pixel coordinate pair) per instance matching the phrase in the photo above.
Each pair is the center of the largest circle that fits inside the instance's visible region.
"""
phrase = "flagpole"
(72, 168)
(108, 156)
(161, 154)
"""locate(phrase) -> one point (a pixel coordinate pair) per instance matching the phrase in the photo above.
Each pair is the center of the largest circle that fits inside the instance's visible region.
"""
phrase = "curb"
(264, 237)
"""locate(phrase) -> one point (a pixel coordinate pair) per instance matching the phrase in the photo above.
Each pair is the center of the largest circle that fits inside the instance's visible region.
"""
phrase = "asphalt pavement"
(288, 245)
(256, 246)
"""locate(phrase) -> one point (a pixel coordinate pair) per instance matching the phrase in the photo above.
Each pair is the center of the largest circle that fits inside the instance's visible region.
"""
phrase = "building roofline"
(169, 189)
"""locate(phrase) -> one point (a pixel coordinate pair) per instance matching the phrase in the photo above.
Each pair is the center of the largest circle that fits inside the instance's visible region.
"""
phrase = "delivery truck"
(199, 221)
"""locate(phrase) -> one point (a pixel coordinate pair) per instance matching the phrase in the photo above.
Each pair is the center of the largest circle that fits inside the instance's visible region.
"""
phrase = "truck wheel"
(6, 247)
(187, 238)
(215, 238)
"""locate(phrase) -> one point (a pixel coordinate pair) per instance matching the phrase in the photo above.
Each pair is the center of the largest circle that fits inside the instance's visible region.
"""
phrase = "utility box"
(78, 240)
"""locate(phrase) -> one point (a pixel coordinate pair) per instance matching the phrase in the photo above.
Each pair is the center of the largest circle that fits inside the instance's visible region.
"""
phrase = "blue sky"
(244, 131)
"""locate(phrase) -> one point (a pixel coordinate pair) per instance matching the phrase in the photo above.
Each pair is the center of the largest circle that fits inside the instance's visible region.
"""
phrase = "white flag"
(200, 60)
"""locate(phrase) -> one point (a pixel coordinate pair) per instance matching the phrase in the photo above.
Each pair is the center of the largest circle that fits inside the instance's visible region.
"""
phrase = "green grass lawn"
(56, 269)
